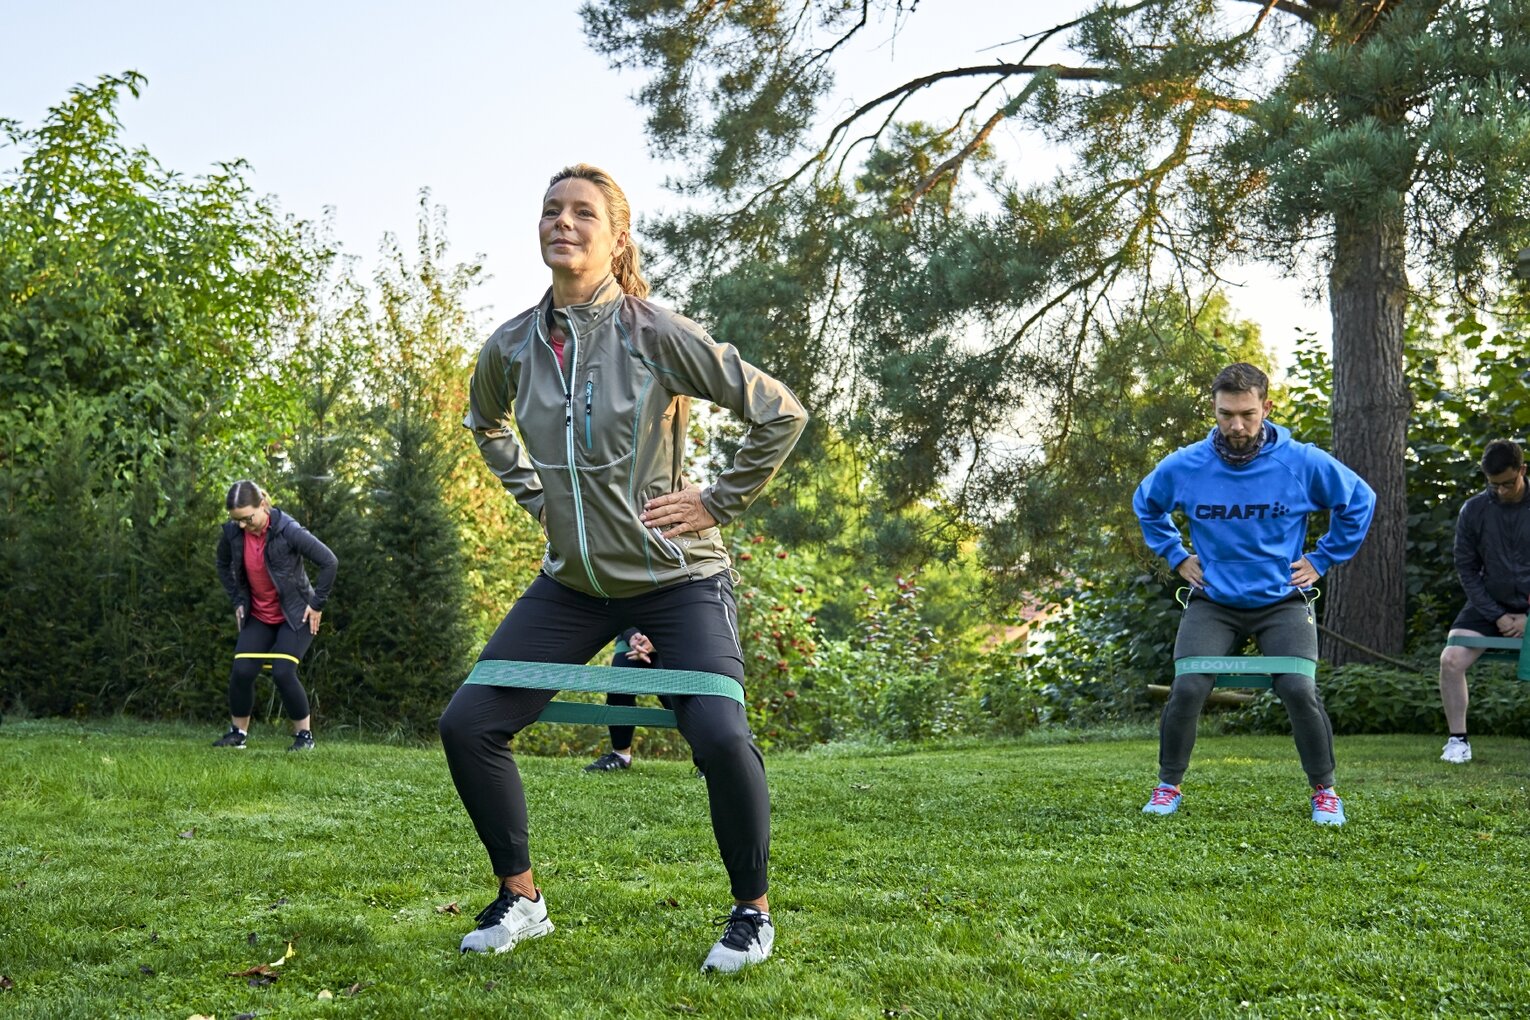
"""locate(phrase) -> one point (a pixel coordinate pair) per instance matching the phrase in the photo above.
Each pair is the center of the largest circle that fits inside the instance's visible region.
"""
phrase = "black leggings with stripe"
(696, 625)
(281, 646)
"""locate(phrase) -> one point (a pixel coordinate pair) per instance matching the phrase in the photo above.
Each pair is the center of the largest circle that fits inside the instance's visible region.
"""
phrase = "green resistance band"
(560, 676)
(1498, 648)
(1256, 671)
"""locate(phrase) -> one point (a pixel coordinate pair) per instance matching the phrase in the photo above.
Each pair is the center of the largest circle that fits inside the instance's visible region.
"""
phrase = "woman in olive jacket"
(579, 405)
(276, 608)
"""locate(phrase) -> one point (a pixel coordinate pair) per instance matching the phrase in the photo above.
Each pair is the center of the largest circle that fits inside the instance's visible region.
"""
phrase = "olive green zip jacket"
(607, 432)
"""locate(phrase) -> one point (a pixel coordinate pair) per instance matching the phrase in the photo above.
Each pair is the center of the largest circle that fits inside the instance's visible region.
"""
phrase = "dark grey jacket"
(288, 543)
(1493, 554)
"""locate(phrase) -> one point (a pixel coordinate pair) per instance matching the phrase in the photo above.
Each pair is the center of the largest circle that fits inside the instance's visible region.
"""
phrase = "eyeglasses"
(245, 521)
(1506, 486)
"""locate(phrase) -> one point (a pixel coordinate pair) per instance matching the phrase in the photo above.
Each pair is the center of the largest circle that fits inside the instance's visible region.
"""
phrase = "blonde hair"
(625, 265)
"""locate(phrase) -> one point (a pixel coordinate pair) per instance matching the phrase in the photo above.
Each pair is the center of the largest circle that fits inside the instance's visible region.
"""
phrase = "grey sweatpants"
(1285, 628)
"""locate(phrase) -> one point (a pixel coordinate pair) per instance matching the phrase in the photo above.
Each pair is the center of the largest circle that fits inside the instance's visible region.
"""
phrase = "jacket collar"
(588, 316)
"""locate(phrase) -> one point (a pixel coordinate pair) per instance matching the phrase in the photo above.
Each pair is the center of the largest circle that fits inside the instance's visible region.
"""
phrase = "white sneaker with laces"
(747, 938)
(511, 918)
(1457, 751)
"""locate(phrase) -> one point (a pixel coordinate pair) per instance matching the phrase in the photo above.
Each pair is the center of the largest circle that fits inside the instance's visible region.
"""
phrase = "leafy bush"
(1113, 637)
(1363, 698)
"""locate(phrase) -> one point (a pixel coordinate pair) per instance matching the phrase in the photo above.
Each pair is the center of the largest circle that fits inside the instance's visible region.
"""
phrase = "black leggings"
(696, 624)
(288, 645)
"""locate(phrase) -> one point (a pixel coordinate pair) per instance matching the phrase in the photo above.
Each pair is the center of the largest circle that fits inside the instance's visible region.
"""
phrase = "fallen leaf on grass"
(188, 833)
(6, 984)
(252, 938)
(681, 1007)
(200, 1016)
(488, 986)
(449, 908)
(260, 974)
(358, 986)
(669, 901)
(22, 884)
(239, 1016)
(145, 969)
(289, 954)
(278, 903)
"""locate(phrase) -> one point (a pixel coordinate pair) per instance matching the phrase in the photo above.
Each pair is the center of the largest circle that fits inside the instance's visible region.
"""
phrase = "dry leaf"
(145, 969)
(6, 983)
(358, 986)
(278, 903)
(450, 908)
(188, 833)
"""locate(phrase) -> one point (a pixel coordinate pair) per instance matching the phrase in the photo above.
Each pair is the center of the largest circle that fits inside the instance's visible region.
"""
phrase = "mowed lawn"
(142, 873)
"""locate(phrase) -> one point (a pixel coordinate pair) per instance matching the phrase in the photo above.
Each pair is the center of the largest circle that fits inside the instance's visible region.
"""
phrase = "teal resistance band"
(1498, 648)
(1257, 671)
(559, 676)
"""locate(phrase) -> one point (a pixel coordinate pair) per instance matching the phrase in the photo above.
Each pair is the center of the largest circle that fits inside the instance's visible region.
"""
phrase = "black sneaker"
(608, 762)
(233, 738)
(302, 740)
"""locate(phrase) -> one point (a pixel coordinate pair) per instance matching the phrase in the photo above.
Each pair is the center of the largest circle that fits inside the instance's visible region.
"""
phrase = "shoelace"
(741, 929)
(1163, 795)
(495, 912)
(1326, 801)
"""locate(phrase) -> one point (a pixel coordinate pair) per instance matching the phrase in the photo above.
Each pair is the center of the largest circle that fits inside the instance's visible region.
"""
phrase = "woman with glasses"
(276, 608)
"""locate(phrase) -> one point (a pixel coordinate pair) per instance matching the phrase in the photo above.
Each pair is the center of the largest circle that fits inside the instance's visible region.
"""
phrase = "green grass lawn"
(141, 869)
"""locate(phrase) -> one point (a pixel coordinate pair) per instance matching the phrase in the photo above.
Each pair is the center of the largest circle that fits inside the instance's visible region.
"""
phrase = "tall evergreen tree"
(896, 274)
(412, 634)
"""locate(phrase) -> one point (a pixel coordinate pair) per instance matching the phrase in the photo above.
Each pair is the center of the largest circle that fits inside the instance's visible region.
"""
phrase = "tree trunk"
(1368, 293)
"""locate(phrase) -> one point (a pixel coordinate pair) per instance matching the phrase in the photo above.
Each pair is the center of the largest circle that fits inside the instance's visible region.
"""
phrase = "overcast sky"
(356, 106)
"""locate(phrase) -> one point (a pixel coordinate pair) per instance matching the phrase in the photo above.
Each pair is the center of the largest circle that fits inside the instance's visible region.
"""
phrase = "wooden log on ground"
(1216, 697)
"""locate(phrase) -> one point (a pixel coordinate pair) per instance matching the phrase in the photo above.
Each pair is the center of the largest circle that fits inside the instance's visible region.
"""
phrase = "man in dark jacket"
(1493, 559)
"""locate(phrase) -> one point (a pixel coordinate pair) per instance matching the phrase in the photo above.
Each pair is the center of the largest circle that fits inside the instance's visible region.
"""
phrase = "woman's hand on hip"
(678, 512)
(311, 617)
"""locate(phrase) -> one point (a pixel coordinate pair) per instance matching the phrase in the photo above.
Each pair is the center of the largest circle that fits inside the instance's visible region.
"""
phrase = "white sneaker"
(1457, 751)
(511, 918)
(746, 939)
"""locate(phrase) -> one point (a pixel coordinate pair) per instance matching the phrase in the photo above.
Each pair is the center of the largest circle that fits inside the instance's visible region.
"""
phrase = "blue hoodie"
(1249, 523)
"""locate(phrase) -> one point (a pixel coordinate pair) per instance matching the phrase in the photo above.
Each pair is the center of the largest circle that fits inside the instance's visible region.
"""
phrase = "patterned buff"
(1237, 458)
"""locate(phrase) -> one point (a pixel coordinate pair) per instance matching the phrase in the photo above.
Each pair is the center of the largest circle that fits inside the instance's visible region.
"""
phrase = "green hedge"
(1383, 699)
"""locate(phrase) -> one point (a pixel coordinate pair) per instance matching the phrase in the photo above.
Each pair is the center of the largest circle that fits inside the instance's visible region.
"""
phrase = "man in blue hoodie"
(1246, 490)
